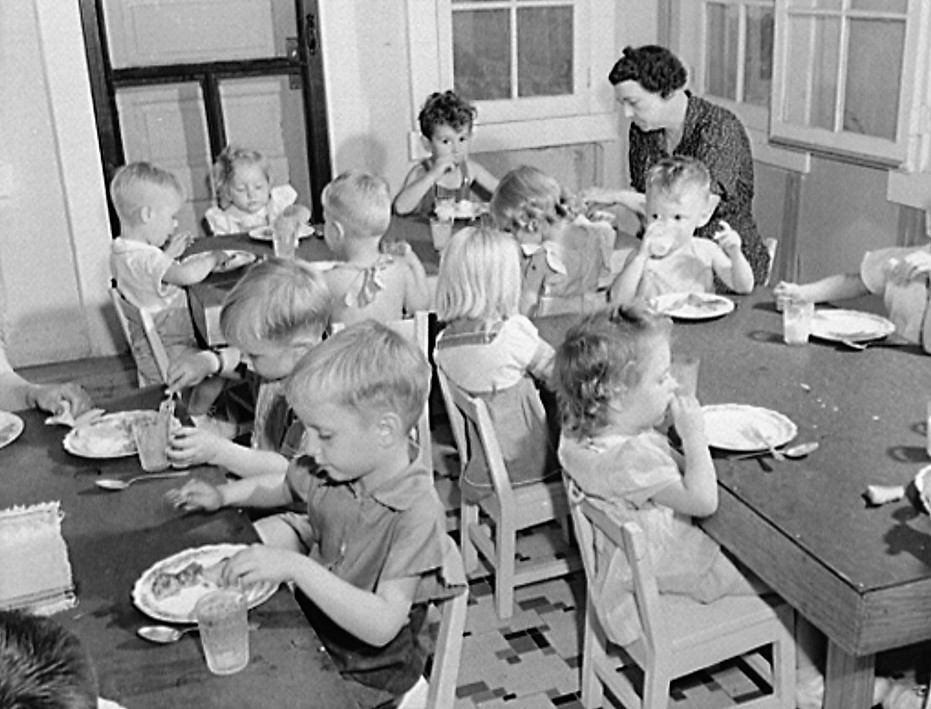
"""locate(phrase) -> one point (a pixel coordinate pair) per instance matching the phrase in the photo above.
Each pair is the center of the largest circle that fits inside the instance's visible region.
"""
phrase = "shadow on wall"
(363, 151)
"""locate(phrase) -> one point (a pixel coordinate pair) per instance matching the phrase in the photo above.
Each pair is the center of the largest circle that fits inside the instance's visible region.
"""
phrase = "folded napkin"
(34, 558)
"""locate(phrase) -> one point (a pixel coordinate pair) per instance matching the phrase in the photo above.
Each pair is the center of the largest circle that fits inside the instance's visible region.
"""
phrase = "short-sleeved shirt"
(233, 220)
(388, 529)
(138, 269)
(715, 136)
(905, 301)
(497, 365)
(686, 270)
(621, 474)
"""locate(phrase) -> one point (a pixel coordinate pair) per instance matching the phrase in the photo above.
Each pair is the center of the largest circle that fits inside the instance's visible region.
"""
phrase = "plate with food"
(11, 426)
(693, 306)
(267, 233)
(109, 436)
(169, 589)
(464, 209)
(745, 428)
(840, 325)
(232, 259)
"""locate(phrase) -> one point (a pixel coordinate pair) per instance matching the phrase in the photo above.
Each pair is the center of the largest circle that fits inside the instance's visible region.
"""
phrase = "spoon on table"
(164, 634)
(797, 451)
(766, 441)
(112, 484)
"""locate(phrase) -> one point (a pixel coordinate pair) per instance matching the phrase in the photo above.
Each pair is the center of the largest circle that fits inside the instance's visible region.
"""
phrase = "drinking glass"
(441, 231)
(796, 321)
(284, 240)
(222, 618)
(685, 370)
(151, 438)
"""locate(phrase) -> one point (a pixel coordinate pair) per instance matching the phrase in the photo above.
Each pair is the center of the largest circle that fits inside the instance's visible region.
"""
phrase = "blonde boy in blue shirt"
(378, 548)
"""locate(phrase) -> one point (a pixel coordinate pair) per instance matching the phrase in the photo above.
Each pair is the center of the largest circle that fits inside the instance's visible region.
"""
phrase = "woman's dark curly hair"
(445, 109)
(655, 68)
(601, 356)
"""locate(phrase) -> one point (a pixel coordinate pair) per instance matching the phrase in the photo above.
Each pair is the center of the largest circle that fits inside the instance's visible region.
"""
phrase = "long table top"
(861, 574)
(112, 538)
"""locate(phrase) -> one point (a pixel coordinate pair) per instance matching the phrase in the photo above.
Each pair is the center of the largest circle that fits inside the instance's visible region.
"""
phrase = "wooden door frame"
(307, 65)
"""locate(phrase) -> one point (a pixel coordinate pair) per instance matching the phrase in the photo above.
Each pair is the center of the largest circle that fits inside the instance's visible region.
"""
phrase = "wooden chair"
(417, 330)
(448, 651)
(510, 509)
(128, 313)
(771, 245)
(680, 635)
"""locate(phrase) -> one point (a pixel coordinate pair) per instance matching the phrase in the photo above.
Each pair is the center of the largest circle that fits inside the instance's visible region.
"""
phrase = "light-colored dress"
(571, 267)
(620, 474)
(905, 301)
(233, 220)
(686, 270)
(138, 269)
(498, 366)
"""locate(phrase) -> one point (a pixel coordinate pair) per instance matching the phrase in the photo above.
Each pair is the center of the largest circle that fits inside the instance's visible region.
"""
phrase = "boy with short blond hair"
(144, 264)
(377, 545)
(372, 279)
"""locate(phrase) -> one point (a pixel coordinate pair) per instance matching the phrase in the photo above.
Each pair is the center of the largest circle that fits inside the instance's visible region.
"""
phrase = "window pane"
(721, 68)
(758, 63)
(900, 6)
(874, 74)
(544, 51)
(816, 4)
(481, 54)
(811, 92)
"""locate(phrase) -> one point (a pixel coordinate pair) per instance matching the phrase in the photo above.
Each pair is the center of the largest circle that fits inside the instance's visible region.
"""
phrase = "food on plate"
(167, 583)
(694, 301)
(110, 435)
(463, 209)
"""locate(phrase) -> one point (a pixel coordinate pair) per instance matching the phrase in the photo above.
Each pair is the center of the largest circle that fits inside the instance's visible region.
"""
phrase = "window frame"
(590, 117)
(844, 144)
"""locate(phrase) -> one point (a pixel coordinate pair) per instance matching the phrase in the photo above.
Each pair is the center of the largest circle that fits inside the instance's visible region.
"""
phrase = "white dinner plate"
(267, 233)
(733, 427)
(854, 325)
(693, 306)
(179, 608)
(233, 259)
(11, 426)
(110, 436)
(923, 486)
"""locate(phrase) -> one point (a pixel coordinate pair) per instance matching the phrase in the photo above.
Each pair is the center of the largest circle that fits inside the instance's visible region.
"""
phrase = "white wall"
(55, 235)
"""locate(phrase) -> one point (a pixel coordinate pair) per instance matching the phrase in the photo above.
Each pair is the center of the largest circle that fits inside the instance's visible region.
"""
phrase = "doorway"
(175, 81)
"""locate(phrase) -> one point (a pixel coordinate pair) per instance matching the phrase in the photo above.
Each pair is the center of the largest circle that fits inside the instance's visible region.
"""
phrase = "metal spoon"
(859, 346)
(771, 447)
(797, 451)
(163, 634)
(112, 484)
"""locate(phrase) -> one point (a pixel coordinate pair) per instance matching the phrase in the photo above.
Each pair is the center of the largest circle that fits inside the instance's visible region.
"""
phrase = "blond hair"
(479, 276)
(527, 199)
(132, 186)
(360, 201)
(278, 301)
(224, 170)
(675, 175)
(367, 367)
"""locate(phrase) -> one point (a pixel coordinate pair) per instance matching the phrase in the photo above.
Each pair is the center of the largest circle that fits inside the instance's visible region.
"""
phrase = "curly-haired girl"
(565, 254)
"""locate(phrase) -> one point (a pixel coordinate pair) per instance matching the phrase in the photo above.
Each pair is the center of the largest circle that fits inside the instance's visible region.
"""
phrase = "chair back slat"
(128, 313)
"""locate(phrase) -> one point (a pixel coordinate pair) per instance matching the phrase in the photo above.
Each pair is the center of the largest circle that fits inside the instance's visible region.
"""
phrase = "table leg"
(848, 682)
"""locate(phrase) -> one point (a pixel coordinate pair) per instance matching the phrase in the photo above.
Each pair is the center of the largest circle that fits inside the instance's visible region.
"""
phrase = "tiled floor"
(530, 661)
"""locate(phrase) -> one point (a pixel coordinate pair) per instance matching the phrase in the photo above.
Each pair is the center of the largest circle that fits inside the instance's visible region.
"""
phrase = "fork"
(770, 446)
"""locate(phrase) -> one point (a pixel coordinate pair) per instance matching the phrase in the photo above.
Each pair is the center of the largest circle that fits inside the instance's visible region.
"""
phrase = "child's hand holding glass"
(786, 292)
(914, 265)
(195, 446)
(178, 243)
(196, 495)
(687, 417)
(659, 239)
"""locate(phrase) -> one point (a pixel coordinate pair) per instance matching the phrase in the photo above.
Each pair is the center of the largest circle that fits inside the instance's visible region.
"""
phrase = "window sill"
(522, 135)
(910, 189)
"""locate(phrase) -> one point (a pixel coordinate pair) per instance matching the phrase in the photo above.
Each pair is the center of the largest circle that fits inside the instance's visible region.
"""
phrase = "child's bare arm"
(483, 177)
(841, 286)
(418, 182)
(624, 288)
(192, 270)
(729, 262)
(417, 289)
(375, 618)
(194, 446)
(697, 493)
(269, 490)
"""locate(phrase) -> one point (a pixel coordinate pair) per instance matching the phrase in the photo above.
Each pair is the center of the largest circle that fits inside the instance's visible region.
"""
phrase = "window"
(844, 75)
(536, 69)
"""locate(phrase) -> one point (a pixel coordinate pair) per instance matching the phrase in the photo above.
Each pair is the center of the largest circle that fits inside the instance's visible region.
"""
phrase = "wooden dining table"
(860, 574)
(113, 537)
